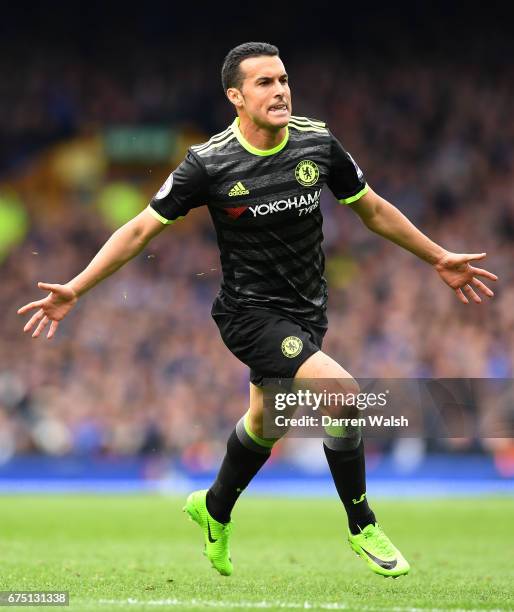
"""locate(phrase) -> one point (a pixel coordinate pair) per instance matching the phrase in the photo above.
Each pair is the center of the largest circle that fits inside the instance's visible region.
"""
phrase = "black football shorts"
(270, 343)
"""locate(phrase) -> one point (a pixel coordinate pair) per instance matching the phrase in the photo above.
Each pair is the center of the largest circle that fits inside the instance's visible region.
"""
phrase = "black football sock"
(349, 473)
(246, 454)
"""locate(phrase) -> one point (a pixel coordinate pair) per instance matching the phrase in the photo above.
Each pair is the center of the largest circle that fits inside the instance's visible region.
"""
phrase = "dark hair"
(230, 73)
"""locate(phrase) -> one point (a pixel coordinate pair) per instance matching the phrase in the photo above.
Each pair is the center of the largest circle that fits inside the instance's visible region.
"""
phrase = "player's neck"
(259, 137)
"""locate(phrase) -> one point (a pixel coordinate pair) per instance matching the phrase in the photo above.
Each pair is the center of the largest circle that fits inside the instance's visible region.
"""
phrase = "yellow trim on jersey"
(356, 197)
(250, 148)
(160, 218)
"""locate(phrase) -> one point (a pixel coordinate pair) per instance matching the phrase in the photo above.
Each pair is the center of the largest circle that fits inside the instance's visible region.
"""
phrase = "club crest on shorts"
(291, 346)
(307, 173)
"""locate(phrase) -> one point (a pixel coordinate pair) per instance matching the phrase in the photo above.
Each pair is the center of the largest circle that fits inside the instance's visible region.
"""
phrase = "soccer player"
(261, 179)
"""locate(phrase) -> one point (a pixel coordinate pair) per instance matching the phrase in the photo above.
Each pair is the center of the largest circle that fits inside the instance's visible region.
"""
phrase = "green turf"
(285, 552)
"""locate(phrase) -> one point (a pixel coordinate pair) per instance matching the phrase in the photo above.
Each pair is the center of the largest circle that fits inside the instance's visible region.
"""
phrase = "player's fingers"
(53, 328)
(472, 294)
(41, 326)
(484, 288)
(482, 272)
(461, 296)
(48, 286)
(30, 306)
(33, 320)
(473, 256)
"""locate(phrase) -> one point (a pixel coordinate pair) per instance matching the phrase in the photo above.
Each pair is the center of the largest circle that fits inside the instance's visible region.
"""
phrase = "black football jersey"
(265, 206)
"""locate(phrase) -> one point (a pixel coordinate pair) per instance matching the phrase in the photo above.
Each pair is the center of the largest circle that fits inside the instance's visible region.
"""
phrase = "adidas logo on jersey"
(238, 190)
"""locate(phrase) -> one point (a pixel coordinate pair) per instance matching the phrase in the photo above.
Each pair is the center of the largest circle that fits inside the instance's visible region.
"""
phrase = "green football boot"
(216, 534)
(378, 551)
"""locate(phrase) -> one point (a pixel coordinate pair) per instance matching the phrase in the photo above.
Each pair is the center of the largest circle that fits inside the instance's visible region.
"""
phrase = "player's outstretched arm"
(126, 242)
(455, 269)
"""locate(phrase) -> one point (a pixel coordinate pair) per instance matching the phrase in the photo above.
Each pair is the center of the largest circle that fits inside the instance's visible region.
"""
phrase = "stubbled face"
(264, 95)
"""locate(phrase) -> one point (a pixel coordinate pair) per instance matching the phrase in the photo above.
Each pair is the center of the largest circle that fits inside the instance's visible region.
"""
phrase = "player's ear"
(235, 96)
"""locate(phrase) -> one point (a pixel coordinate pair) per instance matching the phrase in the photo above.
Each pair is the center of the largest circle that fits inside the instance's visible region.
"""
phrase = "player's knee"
(341, 398)
(259, 418)
(256, 422)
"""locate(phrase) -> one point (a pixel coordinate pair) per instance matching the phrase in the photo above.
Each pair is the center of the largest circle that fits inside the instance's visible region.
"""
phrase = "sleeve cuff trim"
(160, 218)
(356, 197)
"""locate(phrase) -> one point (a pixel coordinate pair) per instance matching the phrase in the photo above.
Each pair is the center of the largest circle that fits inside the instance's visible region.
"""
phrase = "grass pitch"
(140, 553)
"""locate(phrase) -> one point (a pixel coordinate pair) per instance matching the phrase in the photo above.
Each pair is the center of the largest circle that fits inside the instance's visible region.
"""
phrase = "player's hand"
(456, 271)
(51, 309)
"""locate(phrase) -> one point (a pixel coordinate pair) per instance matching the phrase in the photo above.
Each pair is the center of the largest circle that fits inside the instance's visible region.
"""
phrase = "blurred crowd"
(139, 367)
